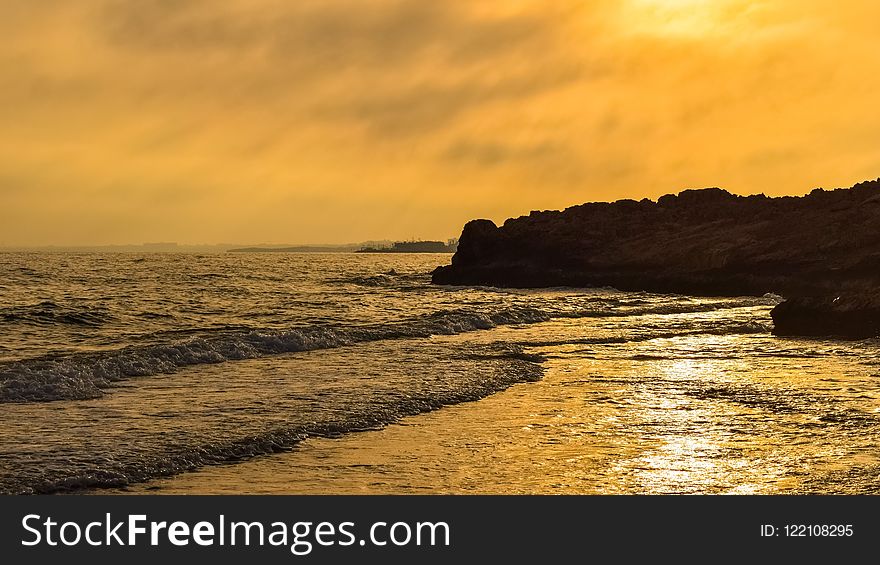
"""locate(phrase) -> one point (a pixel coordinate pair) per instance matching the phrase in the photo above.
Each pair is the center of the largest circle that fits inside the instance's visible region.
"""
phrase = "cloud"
(430, 105)
(490, 154)
(312, 37)
(398, 65)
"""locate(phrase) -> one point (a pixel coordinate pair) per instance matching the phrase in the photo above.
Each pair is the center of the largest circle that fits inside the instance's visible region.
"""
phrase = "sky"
(271, 121)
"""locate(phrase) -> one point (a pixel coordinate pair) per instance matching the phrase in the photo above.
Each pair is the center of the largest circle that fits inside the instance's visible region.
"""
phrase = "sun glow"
(679, 18)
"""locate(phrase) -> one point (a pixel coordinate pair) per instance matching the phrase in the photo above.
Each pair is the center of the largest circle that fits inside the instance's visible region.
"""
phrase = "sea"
(352, 373)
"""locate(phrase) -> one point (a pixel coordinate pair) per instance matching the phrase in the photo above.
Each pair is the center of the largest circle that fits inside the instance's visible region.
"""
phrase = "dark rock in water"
(854, 316)
(701, 242)
(704, 242)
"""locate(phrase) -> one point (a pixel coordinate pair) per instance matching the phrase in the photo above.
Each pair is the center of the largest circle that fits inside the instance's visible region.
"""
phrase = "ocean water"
(352, 373)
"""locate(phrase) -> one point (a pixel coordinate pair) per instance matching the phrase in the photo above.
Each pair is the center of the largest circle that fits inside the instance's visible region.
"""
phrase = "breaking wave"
(89, 375)
(511, 366)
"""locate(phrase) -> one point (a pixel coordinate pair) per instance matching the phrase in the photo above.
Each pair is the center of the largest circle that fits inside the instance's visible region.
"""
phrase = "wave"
(734, 328)
(48, 313)
(511, 366)
(90, 375)
(668, 309)
(386, 279)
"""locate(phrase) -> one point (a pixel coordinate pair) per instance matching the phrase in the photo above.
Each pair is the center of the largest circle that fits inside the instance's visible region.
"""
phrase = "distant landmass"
(372, 246)
(348, 248)
(821, 251)
(414, 247)
(382, 246)
(161, 247)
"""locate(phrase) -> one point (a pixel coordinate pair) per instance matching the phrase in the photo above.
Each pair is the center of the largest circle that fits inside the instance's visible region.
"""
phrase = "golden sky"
(281, 121)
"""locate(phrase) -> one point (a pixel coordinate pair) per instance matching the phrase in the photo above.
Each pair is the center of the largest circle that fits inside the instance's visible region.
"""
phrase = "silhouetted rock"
(702, 242)
(856, 316)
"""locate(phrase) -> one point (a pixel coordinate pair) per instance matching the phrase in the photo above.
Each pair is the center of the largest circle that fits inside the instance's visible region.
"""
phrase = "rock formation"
(823, 246)
(849, 315)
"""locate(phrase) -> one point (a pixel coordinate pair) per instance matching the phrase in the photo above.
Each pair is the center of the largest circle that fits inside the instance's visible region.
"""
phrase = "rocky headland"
(820, 251)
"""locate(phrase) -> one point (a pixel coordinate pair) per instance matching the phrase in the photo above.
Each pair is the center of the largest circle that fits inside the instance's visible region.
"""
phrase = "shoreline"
(657, 420)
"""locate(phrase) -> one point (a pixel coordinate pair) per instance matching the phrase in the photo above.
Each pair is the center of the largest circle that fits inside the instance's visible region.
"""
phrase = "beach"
(698, 427)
